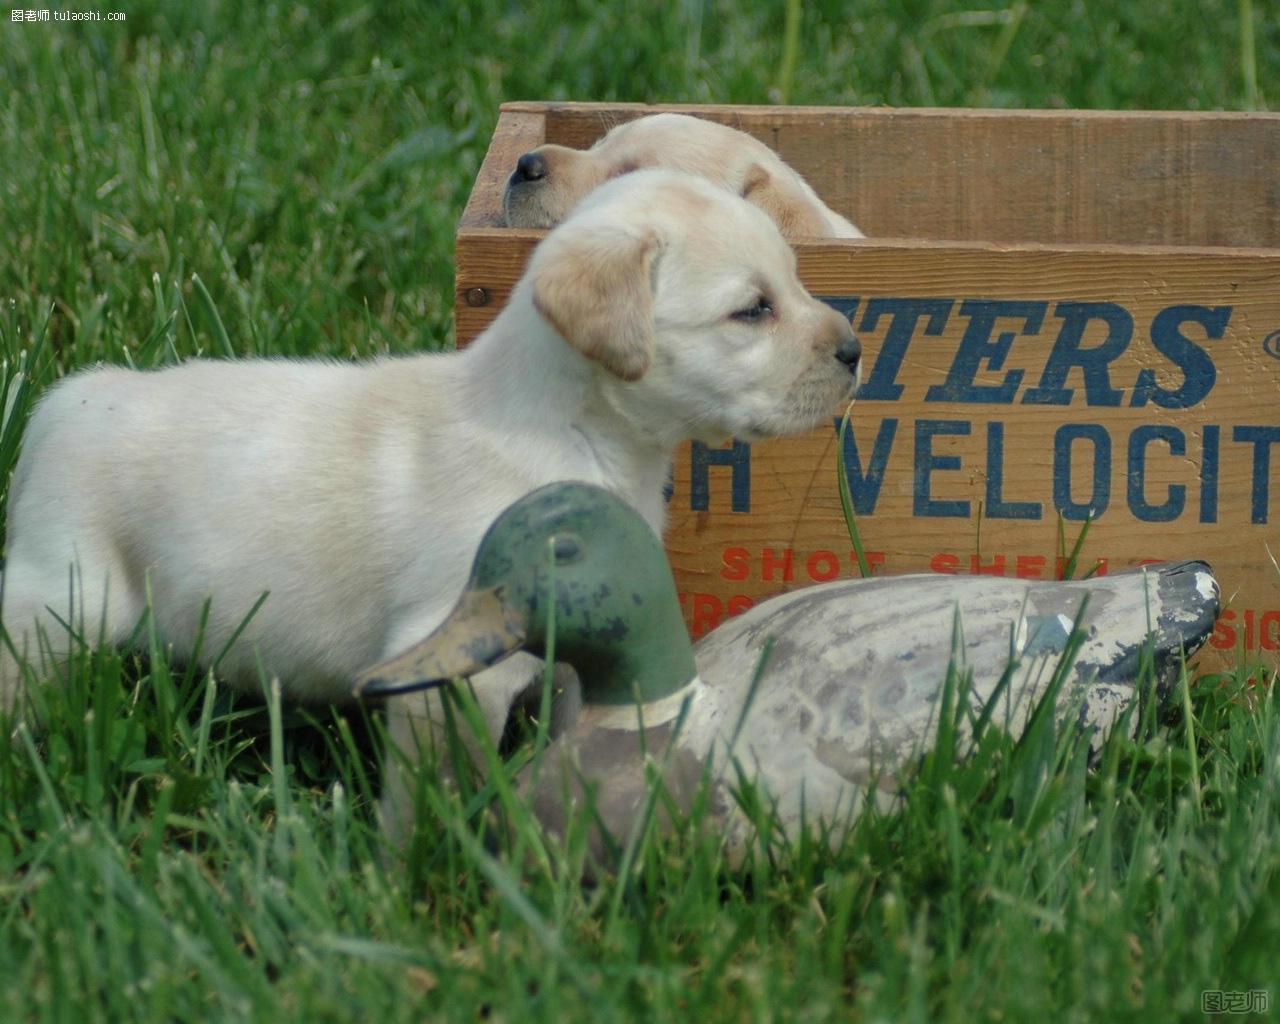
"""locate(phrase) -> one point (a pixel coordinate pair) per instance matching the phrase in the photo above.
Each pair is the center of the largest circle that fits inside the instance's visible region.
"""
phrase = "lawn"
(233, 179)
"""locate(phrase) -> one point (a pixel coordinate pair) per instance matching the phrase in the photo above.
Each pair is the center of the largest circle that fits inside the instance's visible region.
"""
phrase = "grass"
(215, 179)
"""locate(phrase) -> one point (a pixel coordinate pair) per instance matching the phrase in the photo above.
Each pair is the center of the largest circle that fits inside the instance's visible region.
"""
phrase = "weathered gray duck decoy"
(848, 695)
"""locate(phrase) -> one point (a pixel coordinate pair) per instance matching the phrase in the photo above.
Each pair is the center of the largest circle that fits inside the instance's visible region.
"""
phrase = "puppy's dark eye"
(759, 309)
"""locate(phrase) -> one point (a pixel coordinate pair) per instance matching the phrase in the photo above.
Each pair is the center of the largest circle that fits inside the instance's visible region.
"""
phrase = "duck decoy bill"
(482, 629)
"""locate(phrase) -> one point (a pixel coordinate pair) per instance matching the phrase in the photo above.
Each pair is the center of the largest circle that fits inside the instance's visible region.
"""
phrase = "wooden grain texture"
(491, 259)
(1158, 178)
(1201, 322)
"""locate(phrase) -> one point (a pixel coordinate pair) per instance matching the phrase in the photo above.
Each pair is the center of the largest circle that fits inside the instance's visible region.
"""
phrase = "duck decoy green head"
(615, 616)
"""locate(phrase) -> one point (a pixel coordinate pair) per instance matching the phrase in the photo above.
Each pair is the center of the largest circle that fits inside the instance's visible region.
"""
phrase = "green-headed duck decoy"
(848, 694)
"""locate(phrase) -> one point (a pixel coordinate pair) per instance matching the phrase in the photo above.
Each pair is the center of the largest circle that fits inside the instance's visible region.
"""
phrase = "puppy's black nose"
(530, 167)
(849, 351)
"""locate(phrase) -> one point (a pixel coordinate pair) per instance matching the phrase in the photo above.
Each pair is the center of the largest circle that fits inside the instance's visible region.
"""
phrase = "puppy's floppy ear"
(594, 288)
(784, 202)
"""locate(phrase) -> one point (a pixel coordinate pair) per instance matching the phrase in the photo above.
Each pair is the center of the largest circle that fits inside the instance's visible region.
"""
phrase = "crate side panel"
(1004, 388)
(1050, 177)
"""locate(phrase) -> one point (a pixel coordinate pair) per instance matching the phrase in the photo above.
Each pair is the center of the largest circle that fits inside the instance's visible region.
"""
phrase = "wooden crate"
(1062, 313)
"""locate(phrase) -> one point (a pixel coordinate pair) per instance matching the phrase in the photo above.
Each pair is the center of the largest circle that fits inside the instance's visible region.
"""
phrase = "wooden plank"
(1117, 177)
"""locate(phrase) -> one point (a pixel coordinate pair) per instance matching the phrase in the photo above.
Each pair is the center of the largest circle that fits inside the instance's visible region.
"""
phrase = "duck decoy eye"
(565, 549)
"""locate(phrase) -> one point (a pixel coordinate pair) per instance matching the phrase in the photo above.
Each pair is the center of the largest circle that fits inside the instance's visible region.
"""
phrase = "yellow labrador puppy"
(549, 181)
(664, 309)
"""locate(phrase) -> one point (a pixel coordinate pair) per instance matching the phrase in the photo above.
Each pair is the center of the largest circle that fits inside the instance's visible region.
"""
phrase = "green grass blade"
(220, 337)
(846, 497)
